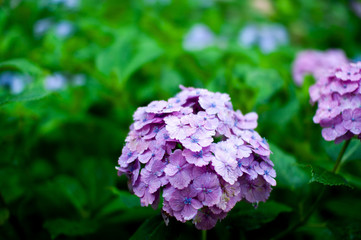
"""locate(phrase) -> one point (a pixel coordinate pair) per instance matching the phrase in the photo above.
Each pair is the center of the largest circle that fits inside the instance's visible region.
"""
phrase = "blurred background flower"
(14, 82)
(316, 63)
(267, 37)
(55, 82)
(161, 2)
(42, 26)
(199, 37)
(356, 7)
(64, 29)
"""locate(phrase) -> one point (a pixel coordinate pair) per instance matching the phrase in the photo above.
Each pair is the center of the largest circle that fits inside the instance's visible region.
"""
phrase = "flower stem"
(204, 234)
(304, 219)
(339, 158)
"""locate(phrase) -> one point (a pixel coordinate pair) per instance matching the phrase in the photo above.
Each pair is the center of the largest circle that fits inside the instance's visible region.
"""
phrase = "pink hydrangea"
(338, 95)
(200, 154)
(316, 63)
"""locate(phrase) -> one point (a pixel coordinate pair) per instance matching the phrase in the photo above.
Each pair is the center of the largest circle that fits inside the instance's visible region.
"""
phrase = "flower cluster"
(62, 29)
(338, 94)
(200, 154)
(316, 63)
(14, 82)
(268, 37)
(198, 38)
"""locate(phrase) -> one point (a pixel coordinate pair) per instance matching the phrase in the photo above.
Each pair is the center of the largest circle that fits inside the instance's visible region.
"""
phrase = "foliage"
(59, 147)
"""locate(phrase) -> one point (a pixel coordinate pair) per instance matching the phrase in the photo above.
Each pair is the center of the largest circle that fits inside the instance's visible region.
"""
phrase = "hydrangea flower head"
(64, 29)
(338, 95)
(42, 26)
(15, 82)
(200, 154)
(268, 37)
(55, 82)
(316, 63)
(199, 37)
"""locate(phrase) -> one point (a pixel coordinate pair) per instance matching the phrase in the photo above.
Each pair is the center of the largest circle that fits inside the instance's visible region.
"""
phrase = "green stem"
(204, 234)
(319, 197)
(339, 158)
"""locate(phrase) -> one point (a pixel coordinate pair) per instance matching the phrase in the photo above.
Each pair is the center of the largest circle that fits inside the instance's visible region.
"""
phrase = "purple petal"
(188, 212)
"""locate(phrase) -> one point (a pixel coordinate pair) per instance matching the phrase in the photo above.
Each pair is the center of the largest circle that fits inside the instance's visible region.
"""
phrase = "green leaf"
(4, 215)
(352, 153)
(131, 215)
(265, 81)
(67, 227)
(123, 201)
(325, 177)
(289, 173)
(63, 191)
(161, 232)
(317, 231)
(22, 65)
(250, 218)
(96, 187)
(345, 229)
(148, 228)
(73, 190)
(170, 80)
(344, 206)
(354, 180)
(281, 115)
(218, 83)
(33, 92)
(147, 50)
(128, 53)
(11, 184)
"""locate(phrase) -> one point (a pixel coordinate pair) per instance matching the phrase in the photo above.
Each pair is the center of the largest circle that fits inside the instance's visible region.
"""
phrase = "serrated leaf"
(250, 218)
(67, 227)
(289, 173)
(22, 65)
(265, 81)
(34, 92)
(147, 228)
(325, 177)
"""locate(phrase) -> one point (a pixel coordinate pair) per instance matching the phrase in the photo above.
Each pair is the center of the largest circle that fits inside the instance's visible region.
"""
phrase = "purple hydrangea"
(338, 94)
(316, 63)
(200, 154)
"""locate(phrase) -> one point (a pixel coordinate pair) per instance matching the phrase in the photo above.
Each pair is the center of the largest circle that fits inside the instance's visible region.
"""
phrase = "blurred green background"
(72, 72)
